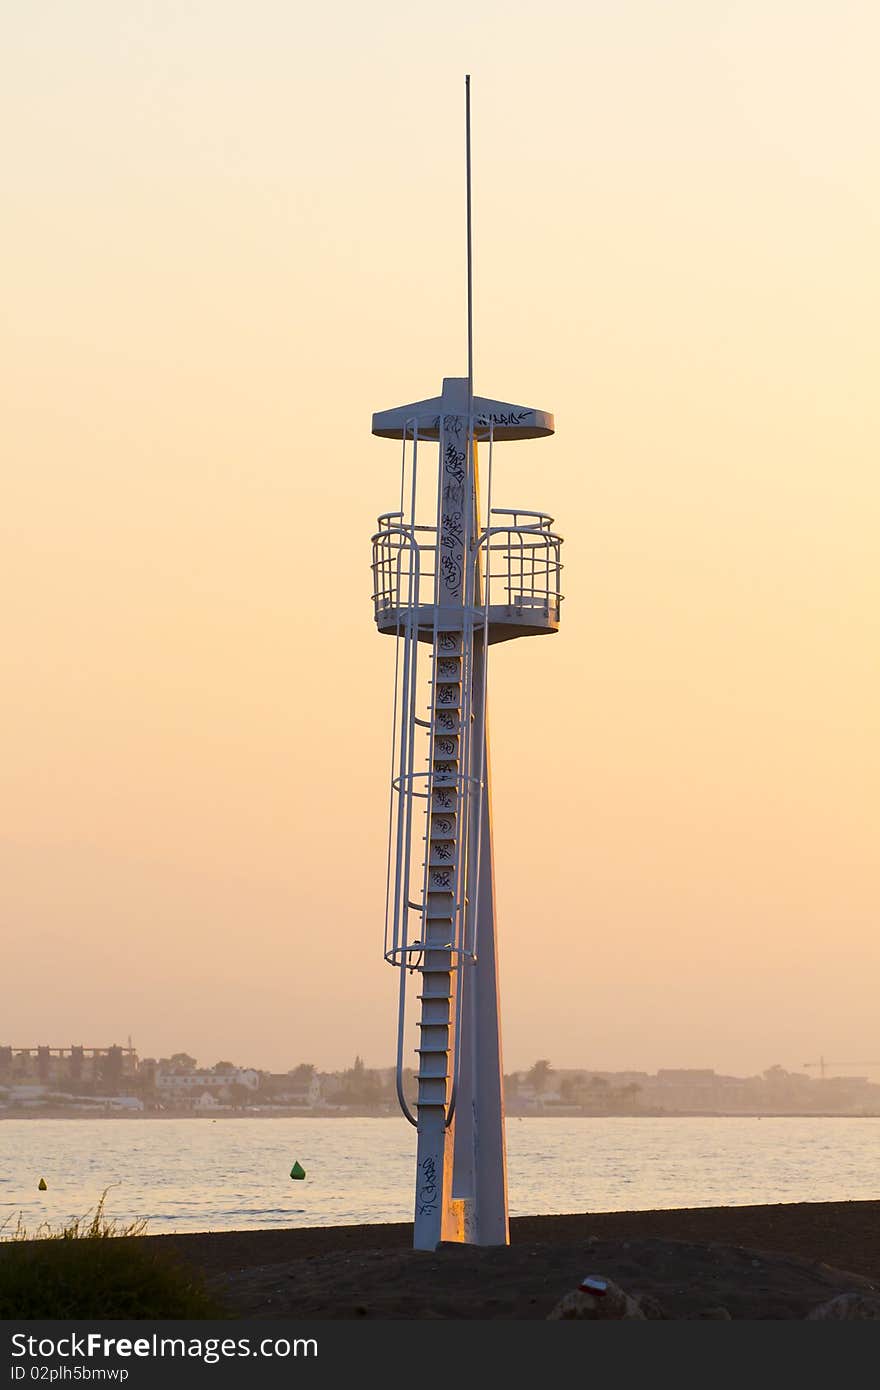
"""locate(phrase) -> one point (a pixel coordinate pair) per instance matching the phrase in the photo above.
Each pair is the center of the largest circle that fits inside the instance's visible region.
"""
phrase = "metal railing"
(521, 563)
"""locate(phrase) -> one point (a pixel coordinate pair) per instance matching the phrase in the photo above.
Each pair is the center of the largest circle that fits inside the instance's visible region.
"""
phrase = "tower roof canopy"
(505, 420)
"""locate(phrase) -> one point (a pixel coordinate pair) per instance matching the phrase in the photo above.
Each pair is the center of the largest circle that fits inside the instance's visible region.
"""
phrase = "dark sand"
(757, 1262)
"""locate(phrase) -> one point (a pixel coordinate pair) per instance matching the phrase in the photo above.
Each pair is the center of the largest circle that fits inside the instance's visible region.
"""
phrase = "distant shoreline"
(61, 1114)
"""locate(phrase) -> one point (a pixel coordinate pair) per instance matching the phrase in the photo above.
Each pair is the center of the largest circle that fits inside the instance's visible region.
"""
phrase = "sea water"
(234, 1173)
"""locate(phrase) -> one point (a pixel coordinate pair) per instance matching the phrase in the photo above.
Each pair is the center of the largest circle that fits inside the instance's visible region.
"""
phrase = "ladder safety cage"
(430, 793)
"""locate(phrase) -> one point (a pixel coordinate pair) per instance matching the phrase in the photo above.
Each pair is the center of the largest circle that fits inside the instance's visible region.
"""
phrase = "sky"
(232, 231)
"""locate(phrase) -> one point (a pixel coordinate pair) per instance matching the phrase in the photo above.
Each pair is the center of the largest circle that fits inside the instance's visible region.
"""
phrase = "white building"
(187, 1085)
(208, 1101)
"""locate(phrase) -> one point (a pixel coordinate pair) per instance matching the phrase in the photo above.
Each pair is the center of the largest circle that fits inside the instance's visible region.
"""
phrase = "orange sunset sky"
(231, 231)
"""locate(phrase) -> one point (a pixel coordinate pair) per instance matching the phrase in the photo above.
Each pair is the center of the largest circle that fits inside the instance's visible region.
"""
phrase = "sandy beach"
(755, 1262)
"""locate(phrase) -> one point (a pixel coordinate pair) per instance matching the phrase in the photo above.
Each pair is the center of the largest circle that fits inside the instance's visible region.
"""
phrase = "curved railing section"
(520, 558)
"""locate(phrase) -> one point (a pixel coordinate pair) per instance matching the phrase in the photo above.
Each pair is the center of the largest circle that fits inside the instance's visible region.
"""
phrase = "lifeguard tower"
(453, 574)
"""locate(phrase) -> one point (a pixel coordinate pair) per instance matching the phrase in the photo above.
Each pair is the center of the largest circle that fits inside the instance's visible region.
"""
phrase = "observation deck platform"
(517, 574)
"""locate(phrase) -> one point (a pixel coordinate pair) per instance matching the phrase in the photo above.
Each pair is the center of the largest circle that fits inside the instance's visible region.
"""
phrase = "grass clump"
(94, 1267)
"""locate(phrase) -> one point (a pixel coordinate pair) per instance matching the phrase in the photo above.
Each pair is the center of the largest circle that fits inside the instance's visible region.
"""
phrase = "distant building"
(27, 1095)
(69, 1068)
(184, 1087)
(207, 1101)
(290, 1088)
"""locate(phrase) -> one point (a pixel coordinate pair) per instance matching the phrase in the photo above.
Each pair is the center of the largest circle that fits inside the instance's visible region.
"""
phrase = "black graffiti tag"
(427, 1195)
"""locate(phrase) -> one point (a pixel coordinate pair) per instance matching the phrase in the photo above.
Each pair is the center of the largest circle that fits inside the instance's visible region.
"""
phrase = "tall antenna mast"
(470, 245)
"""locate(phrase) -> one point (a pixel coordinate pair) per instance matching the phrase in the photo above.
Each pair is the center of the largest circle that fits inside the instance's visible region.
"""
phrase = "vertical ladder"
(441, 941)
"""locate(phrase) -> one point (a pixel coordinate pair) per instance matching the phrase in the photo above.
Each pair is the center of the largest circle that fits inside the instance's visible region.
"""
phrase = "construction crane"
(822, 1064)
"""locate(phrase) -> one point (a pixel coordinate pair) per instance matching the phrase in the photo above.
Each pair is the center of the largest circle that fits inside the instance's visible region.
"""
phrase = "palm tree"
(539, 1076)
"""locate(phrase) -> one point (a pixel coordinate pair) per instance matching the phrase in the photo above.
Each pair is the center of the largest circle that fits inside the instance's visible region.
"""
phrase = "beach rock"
(651, 1307)
(716, 1314)
(847, 1307)
(612, 1304)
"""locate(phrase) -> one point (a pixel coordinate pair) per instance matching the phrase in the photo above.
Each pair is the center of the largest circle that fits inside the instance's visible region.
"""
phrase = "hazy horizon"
(810, 1070)
(231, 234)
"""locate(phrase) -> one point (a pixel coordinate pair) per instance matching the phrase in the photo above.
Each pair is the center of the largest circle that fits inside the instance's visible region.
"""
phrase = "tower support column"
(480, 1167)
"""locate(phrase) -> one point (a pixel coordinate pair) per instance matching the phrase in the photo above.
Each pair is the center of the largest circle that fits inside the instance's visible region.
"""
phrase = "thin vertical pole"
(470, 259)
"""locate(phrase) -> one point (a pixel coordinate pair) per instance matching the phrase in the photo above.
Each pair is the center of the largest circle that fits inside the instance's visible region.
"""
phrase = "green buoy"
(297, 1171)
(41, 1185)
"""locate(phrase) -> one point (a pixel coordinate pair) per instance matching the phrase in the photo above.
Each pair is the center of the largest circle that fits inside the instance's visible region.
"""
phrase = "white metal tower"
(452, 575)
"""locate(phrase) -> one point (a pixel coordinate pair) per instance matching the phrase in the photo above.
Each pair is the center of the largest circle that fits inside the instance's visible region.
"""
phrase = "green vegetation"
(93, 1267)
(360, 1086)
(539, 1076)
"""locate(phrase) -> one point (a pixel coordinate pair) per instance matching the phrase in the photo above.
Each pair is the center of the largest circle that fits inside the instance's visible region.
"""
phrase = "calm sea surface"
(200, 1175)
